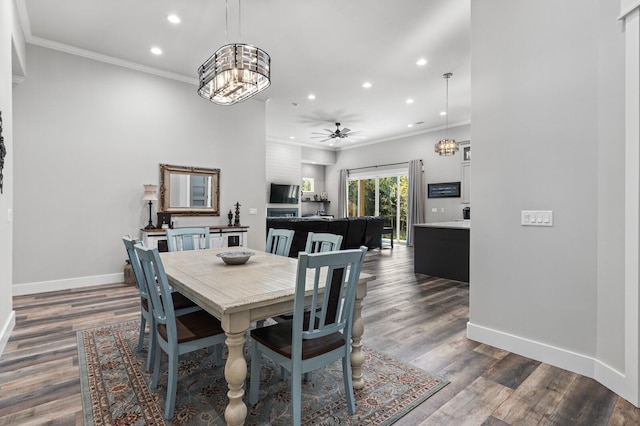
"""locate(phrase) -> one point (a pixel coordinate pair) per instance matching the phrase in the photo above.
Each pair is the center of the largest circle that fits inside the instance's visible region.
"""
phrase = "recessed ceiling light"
(311, 97)
(409, 125)
(366, 84)
(174, 19)
(292, 137)
(421, 62)
(156, 50)
(409, 101)
(443, 112)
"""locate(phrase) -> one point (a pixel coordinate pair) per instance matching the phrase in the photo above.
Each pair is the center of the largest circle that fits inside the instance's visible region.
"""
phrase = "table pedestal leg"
(357, 357)
(235, 371)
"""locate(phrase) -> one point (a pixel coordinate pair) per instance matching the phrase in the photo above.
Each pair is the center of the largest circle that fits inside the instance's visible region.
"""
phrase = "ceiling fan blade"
(327, 130)
(318, 133)
(346, 130)
(324, 140)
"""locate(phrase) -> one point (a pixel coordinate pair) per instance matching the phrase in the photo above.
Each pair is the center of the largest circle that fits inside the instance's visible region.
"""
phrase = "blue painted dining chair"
(175, 335)
(309, 342)
(188, 239)
(181, 304)
(316, 243)
(279, 241)
(321, 241)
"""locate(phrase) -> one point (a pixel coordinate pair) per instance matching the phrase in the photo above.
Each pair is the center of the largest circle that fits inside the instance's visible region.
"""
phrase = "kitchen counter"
(462, 224)
(441, 249)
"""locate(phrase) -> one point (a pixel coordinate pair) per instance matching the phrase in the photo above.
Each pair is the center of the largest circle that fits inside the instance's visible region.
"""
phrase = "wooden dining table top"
(224, 289)
(240, 294)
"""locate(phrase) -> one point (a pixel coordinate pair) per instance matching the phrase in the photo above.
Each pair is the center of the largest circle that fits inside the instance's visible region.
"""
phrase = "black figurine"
(230, 216)
(236, 222)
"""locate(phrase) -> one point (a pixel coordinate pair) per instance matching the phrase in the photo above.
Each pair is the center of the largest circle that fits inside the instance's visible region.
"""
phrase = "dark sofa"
(356, 231)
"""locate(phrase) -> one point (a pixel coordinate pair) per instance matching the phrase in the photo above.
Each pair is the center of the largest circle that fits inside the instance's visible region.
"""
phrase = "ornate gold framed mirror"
(189, 191)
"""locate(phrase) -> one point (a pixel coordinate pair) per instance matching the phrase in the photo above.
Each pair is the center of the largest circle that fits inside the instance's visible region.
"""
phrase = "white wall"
(7, 316)
(284, 166)
(317, 172)
(547, 134)
(88, 136)
(437, 168)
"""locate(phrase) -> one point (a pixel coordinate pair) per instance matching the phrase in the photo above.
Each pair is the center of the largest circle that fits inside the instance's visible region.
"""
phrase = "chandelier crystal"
(235, 72)
(447, 146)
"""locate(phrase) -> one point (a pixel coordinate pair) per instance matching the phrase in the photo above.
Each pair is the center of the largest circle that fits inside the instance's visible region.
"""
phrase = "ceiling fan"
(334, 134)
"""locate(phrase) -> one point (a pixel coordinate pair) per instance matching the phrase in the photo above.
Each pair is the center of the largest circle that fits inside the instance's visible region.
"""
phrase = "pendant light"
(235, 72)
(447, 146)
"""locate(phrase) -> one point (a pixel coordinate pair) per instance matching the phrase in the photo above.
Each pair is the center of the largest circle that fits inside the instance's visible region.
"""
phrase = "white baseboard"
(44, 286)
(6, 330)
(558, 357)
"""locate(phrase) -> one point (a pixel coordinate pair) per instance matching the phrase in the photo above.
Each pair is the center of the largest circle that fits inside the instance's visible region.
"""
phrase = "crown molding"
(404, 135)
(38, 41)
(629, 8)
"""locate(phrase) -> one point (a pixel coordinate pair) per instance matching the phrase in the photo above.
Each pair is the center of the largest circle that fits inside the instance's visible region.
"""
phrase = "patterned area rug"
(115, 387)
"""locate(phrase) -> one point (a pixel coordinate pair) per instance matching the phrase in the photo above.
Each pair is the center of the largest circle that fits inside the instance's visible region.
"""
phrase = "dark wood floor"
(416, 318)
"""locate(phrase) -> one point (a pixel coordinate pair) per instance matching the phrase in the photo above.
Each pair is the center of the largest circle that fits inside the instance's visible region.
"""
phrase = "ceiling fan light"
(234, 73)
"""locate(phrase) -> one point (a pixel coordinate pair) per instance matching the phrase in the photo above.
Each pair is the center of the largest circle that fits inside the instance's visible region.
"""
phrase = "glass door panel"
(367, 197)
(384, 196)
(388, 204)
(352, 208)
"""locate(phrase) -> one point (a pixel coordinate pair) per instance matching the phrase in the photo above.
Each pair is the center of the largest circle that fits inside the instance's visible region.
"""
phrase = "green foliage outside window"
(392, 195)
(308, 184)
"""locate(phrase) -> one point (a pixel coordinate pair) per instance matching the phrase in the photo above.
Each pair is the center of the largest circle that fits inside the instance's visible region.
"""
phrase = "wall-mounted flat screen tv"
(443, 190)
(284, 194)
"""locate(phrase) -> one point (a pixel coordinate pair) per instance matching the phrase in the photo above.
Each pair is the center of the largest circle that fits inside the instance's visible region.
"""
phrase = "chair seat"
(278, 338)
(180, 301)
(193, 326)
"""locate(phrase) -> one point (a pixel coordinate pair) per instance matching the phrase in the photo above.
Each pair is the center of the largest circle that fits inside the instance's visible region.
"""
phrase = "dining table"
(239, 295)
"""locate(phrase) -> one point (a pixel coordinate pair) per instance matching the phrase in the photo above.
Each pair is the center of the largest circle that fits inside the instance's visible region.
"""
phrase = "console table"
(220, 236)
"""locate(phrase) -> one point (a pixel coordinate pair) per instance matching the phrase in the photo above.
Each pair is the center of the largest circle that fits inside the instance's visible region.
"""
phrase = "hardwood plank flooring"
(416, 318)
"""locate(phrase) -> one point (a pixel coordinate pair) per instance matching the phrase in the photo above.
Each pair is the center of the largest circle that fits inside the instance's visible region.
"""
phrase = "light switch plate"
(253, 211)
(536, 218)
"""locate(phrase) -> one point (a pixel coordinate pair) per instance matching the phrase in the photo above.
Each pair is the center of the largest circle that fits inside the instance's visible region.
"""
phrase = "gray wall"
(436, 168)
(547, 134)
(89, 135)
(7, 318)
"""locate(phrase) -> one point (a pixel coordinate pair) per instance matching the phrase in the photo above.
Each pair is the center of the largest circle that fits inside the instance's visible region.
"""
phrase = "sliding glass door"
(383, 194)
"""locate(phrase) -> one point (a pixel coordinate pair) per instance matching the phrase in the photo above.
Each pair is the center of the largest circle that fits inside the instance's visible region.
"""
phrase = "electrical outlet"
(434, 210)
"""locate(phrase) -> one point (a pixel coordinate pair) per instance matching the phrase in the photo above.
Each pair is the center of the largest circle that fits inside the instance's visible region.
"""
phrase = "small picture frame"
(466, 153)
(164, 218)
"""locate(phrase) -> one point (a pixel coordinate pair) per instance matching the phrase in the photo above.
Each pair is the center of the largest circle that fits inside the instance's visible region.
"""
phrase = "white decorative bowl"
(235, 257)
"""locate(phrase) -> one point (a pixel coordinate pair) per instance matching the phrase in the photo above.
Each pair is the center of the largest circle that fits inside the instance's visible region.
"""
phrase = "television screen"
(443, 190)
(284, 194)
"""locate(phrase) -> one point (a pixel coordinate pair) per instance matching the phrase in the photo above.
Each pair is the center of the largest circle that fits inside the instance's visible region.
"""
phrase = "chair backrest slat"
(340, 268)
(158, 288)
(188, 239)
(320, 242)
(129, 244)
(279, 241)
